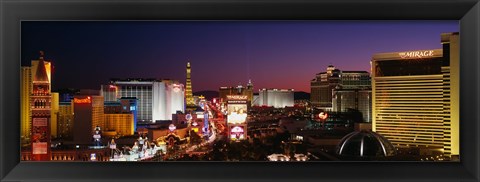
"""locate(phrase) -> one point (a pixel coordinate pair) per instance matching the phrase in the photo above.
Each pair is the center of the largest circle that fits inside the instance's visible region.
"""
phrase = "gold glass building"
(54, 114)
(415, 97)
(25, 110)
(121, 123)
(65, 120)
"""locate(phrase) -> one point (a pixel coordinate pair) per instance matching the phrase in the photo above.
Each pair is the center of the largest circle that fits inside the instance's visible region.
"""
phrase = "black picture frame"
(12, 12)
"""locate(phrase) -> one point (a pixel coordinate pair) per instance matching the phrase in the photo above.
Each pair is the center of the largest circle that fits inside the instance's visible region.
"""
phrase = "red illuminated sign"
(39, 148)
(82, 101)
(323, 115)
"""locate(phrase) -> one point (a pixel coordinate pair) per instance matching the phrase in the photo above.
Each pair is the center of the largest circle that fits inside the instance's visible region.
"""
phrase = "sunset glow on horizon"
(273, 54)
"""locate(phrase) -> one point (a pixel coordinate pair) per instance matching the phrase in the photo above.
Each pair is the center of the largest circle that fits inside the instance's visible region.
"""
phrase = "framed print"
(239, 90)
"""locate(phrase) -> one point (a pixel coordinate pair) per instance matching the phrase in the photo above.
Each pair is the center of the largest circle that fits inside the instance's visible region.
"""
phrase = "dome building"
(366, 145)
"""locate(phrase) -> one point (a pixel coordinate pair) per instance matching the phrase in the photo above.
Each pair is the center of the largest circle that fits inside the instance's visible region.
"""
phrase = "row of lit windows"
(409, 111)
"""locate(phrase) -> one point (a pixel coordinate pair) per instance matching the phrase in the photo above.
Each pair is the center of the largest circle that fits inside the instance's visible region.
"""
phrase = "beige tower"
(27, 74)
(40, 103)
(451, 95)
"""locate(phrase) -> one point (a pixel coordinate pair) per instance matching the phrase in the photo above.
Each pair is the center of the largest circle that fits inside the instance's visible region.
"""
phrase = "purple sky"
(274, 54)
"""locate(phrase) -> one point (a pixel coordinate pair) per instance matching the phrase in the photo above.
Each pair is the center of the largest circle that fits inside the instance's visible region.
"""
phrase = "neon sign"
(323, 115)
(416, 54)
(237, 133)
(82, 101)
(237, 97)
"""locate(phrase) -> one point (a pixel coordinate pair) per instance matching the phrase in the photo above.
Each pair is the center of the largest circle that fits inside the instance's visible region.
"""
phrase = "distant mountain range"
(210, 94)
(301, 95)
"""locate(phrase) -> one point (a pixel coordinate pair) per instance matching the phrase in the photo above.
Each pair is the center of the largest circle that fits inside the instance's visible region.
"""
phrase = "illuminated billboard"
(236, 109)
(236, 113)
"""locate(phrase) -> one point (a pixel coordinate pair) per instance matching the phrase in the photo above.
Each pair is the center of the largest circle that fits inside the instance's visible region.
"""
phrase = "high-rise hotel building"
(277, 98)
(415, 97)
(156, 99)
(88, 113)
(325, 82)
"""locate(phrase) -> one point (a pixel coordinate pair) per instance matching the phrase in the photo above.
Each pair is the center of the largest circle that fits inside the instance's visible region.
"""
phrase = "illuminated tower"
(40, 102)
(27, 74)
(188, 88)
(249, 91)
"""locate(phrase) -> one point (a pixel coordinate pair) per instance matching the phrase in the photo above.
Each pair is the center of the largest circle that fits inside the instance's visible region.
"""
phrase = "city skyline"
(273, 54)
(407, 108)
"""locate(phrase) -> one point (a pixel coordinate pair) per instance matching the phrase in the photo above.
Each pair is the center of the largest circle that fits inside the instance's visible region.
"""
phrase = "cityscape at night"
(272, 91)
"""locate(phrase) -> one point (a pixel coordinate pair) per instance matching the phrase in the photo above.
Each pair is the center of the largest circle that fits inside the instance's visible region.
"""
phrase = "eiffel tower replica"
(188, 91)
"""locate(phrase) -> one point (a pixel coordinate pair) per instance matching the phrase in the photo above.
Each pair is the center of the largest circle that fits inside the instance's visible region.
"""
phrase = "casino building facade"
(415, 97)
(156, 99)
